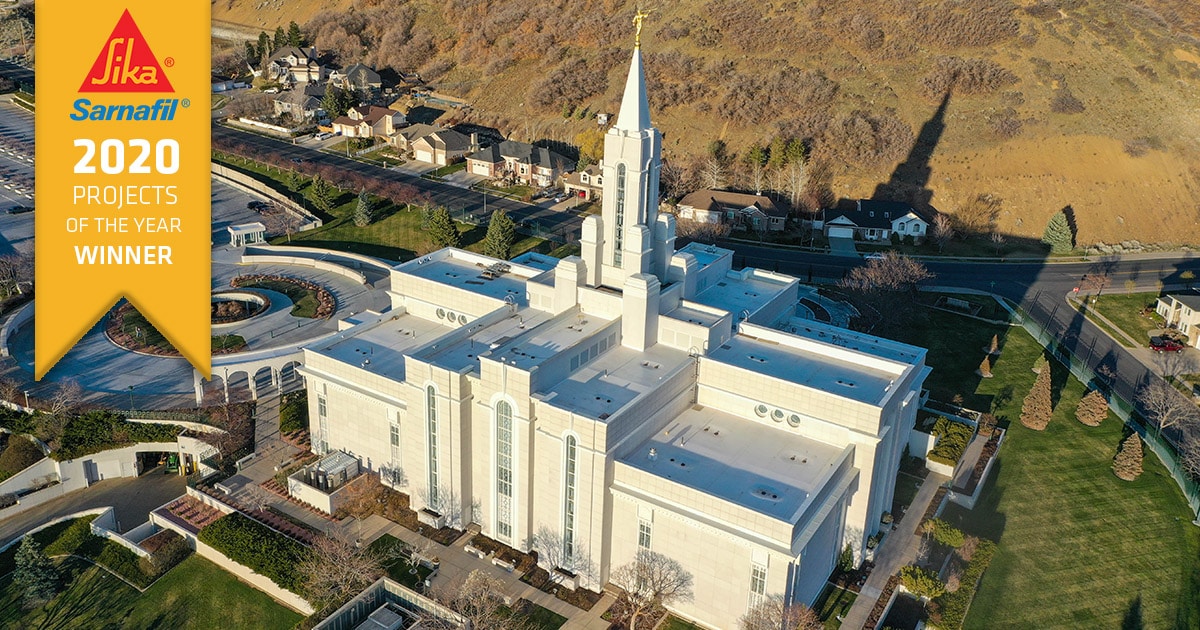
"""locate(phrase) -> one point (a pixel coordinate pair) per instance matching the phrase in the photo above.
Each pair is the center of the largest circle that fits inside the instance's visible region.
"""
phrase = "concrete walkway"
(898, 549)
(966, 463)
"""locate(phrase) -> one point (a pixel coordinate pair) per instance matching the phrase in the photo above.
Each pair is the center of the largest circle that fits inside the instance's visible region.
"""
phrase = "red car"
(1163, 344)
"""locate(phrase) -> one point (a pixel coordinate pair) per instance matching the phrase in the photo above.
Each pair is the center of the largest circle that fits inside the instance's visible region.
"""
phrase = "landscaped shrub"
(953, 438)
(953, 606)
(167, 549)
(1127, 464)
(21, 453)
(1092, 409)
(117, 559)
(77, 532)
(293, 415)
(95, 431)
(257, 546)
(944, 533)
(1038, 405)
(921, 582)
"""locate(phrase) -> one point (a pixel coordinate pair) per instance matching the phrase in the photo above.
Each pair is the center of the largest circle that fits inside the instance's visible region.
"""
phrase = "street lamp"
(26, 392)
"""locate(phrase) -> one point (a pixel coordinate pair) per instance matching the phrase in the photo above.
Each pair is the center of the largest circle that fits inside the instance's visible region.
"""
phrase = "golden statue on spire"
(638, 18)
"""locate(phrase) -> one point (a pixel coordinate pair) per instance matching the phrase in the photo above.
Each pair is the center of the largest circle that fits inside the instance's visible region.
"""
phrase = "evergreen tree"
(993, 348)
(1039, 363)
(294, 181)
(336, 101)
(777, 154)
(365, 210)
(1038, 406)
(1127, 464)
(985, 367)
(294, 36)
(1092, 409)
(1058, 234)
(264, 45)
(501, 234)
(442, 229)
(35, 574)
(281, 38)
(320, 193)
(251, 53)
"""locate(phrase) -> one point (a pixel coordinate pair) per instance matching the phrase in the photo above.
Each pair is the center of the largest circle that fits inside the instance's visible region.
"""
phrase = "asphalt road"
(456, 199)
(1040, 288)
(17, 73)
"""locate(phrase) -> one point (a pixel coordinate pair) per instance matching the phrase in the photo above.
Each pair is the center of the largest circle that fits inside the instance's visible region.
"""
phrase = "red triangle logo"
(126, 63)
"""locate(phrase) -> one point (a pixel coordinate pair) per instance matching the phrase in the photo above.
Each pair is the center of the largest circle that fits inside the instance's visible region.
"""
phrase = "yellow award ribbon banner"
(123, 128)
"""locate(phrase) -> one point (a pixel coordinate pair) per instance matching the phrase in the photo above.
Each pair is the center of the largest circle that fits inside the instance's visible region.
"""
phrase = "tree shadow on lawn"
(85, 596)
(1133, 616)
(986, 520)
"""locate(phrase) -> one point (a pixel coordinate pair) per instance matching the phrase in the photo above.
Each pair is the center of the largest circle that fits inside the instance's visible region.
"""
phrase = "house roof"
(306, 56)
(446, 139)
(1190, 300)
(412, 133)
(872, 213)
(361, 74)
(593, 172)
(346, 120)
(372, 114)
(521, 152)
(718, 200)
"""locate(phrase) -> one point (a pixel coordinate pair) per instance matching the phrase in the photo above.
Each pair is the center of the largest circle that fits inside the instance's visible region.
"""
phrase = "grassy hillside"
(1087, 103)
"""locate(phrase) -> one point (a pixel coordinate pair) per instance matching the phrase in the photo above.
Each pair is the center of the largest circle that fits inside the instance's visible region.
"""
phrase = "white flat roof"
(608, 383)
(468, 276)
(466, 351)
(762, 468)
(826, 373)
(846, 338)
(736, 294)
(246, 228)
(548, 339)
(705, 254)
(381, 348)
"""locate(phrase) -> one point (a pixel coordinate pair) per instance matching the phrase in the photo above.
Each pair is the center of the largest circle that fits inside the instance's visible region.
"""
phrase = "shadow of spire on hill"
(910, 179)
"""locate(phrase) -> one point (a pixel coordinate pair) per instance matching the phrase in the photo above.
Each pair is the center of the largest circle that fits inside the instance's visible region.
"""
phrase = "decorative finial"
(638, 18)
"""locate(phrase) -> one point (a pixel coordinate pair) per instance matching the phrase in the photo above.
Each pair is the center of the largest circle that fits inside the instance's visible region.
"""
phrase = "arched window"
(504, 473)
(570, 459)
(619, 238)
(431, 429)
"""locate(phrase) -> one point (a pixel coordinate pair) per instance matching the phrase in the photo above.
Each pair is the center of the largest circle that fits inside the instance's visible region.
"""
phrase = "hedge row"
(95, 431)
(257, 546)
(954, 605)
(953, 438)
(293, 415)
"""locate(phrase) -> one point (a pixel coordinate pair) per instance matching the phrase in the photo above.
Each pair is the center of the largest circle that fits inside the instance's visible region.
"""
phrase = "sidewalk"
(898, 549)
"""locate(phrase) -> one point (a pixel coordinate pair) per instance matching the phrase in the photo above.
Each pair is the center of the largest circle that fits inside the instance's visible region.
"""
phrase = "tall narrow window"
(619, 239)
(322, 426)
(504, 475)
(758, 583)
(432, 437)
(644, 534)
(395, 445)
(569, 466)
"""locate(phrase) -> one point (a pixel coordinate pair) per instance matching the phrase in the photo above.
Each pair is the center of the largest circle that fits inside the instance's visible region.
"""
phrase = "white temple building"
(636, 396)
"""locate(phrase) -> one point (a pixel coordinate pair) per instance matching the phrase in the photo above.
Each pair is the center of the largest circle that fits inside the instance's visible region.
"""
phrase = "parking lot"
(16, 178)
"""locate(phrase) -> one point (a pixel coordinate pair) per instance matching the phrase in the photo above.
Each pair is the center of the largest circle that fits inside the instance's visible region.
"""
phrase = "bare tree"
(773, 613)
(1097, 281)
(1164, 406)
(446, 503)
(998, 241)
(66, 398)
(16, 273)
(553, 553)
(480, 600)
(699, 231)
(712, 174)
(336, 569)
(279, 220)
(888, 284)
(651, 581)
(943, 231)
(1189, 457)
(978, 214)
(256, 497)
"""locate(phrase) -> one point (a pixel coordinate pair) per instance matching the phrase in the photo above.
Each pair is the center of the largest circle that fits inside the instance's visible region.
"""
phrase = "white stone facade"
(602, 404)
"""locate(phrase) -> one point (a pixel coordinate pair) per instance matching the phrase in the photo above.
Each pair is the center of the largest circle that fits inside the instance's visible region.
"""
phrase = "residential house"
(872, 220)
(742, 210)
(357, 78)
(519, 161)
(224, 84)
(1182, 311)
(405, 138)
(302, 102)
(370, 121)
(292, 64)
(588, 183)
(441, 147)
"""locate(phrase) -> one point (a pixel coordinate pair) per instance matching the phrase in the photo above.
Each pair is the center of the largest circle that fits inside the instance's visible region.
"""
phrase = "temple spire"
(635, 107)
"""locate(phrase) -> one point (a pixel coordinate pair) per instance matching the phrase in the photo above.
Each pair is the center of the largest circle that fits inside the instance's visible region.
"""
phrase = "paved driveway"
(839, 246)
(132, 497)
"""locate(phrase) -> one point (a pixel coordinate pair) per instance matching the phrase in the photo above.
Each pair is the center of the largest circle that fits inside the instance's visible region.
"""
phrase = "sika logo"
(126, 63)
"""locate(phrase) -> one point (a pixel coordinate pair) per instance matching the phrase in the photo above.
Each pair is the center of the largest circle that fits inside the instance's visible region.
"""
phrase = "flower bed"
(953, 438)
(254, 545)
(298, 291)
(522, 562)
(989, 451)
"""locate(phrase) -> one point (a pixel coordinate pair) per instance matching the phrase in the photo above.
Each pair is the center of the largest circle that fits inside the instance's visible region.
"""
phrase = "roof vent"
(653, 455)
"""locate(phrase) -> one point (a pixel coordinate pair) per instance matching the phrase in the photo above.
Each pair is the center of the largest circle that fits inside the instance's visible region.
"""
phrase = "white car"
(873, 256)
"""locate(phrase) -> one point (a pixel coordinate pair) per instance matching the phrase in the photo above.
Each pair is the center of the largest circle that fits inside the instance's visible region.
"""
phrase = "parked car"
(873, 256)
(560, 197)
(1165, 344)
(20, 209)
(257, 206)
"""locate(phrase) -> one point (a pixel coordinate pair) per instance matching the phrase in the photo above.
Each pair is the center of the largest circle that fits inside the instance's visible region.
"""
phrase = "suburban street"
(455, 198)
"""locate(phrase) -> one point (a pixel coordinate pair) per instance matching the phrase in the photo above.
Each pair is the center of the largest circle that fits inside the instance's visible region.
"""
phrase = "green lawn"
(833, 601)
(304, 301)
(399, 568)
(449, 169)
(1078, 548)
(1125, 312)
(228, 342)
(195, 594)
(536, 617)
(675, 623)
(956, 346)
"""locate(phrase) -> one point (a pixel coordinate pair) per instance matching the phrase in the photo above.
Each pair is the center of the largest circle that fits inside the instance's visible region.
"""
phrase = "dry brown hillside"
(1087, 103)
